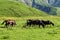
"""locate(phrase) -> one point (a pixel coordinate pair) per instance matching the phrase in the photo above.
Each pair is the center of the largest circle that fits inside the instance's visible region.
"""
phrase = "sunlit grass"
(30, 33)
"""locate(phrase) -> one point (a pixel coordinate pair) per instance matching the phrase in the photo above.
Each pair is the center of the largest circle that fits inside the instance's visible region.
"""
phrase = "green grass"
(17, 9)
(20, 13)
(30, 33)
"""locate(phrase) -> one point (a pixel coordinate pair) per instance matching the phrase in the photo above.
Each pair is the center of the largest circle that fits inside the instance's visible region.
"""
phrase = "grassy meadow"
(30, 33)
(11, 9)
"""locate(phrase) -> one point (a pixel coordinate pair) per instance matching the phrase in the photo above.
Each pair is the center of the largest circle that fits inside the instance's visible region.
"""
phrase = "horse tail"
(3, 22)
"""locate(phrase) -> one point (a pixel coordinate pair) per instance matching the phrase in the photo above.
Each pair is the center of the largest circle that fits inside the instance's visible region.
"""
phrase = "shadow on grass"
(52, 32)
(2, 27)
(8, 28)
(32, 27)
(5, 37)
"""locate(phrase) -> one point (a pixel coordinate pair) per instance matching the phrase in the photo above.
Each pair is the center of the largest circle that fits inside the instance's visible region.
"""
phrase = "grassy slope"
(32, 33)
(16, 9)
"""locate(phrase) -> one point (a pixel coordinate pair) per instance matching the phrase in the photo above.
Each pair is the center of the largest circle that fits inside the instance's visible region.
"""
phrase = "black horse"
(34, 22)
(43, 23)
(9, 22)
(48, 22)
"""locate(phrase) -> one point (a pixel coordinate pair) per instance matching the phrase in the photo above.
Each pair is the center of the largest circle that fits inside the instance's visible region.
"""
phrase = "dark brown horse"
(9, 22)
(43, 23)
(34, 22)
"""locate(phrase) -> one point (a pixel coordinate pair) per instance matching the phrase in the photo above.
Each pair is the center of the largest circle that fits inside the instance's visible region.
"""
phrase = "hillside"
(55, 3)
(17, 9)
(43, 5)
(58, 11)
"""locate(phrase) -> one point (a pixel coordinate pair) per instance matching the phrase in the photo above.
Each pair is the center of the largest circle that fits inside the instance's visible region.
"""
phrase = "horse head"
(51, 23)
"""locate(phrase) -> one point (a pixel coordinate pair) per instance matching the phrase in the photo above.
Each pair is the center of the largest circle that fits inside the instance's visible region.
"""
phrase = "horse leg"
(39, 25)
(6, 25)
(29, 25)
(12, 24)
(43, 26)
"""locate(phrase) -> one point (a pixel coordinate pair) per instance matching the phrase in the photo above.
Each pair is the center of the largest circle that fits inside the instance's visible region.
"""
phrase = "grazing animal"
(48, 22)
(9, 22)
(35, 22)
(43, 23)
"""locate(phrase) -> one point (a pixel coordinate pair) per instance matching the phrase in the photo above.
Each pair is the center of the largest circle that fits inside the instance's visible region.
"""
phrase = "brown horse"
(9, 22)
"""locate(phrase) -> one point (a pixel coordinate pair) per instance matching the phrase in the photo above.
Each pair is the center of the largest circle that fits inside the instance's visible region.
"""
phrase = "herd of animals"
(29, 22)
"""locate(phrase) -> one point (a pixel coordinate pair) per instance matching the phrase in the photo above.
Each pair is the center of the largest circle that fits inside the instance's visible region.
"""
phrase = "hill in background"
(48, 6)
(17, 9)
(42, 5)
